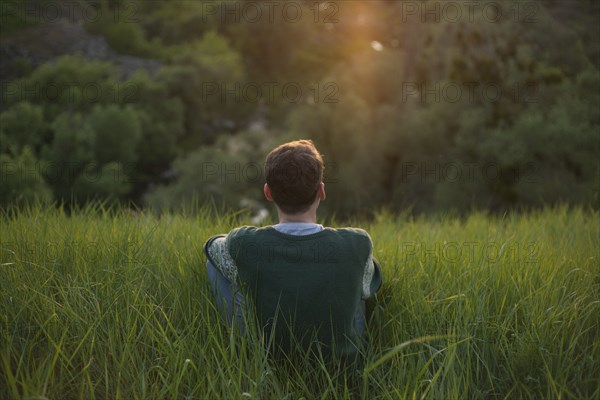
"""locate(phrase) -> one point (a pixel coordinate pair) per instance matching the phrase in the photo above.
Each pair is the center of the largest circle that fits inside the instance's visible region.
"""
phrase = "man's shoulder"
(234, 235)
(354, 241)
(241, 236)
(355, 234)
(244, 231)
(350, 231)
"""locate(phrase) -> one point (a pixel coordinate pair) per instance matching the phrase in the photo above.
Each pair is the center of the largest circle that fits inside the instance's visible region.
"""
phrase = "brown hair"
(294, 172)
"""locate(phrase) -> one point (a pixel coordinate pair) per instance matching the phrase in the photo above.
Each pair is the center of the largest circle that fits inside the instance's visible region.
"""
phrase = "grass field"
(116, 305)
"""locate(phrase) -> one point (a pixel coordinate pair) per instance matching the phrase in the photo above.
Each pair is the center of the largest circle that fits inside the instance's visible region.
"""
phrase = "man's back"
(311, 283)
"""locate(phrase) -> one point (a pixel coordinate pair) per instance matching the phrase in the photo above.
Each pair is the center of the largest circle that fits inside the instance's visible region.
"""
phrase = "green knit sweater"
(312, 284)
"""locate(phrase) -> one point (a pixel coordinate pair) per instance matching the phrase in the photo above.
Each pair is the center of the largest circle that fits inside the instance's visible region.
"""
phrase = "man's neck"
(309, 216)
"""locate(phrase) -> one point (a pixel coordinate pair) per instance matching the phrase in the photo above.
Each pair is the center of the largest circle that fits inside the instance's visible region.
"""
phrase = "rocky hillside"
(27, 48)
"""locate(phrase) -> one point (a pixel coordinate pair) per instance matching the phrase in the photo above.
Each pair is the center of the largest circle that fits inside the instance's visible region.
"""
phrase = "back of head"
(294, 172)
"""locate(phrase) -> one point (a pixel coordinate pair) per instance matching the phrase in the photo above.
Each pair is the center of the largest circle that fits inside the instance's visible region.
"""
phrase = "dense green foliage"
(484, 109)
(116, 304)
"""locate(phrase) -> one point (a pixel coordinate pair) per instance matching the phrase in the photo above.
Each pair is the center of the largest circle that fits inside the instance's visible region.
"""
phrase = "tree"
(230, 173)
(162, 124)
(117, 132)
(21, 181)
(109, 182)
(200, 75)
(21, 125)
(70, 83)
(69, 154)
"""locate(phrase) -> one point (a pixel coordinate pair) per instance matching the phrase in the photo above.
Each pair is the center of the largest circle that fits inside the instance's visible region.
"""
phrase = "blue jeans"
(227, 296)
(231, 301)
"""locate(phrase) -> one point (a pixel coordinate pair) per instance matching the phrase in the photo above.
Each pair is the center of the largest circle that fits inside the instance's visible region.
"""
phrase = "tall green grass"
(110, 304)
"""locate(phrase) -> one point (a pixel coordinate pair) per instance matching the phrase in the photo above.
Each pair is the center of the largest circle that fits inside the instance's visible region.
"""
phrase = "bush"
(69, 83)
(117, 132)
(229, 172)
(71, 151)
(21, 125)
(107, 183)
(21, 181)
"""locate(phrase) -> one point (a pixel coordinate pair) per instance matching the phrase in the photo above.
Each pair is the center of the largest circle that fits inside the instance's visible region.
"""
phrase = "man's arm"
(217, 253)
(372, 278)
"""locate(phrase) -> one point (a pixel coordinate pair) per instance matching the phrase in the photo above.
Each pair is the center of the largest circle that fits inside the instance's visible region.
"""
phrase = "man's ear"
(267, 192)
(321, 192)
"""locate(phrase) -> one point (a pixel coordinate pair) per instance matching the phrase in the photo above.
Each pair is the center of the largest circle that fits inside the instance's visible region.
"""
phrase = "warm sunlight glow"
(377, 46)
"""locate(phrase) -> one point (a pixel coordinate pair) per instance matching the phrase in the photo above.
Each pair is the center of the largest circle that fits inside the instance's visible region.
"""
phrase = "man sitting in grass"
(307, 283)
